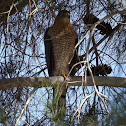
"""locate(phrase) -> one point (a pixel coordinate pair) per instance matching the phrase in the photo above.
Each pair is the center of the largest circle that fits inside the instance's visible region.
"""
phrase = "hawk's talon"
(64, 76)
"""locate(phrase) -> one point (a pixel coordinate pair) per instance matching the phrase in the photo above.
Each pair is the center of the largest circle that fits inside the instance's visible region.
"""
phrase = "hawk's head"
(63, 14)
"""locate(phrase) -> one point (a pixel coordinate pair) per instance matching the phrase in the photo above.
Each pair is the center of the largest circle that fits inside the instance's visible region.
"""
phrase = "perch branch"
(52, 81)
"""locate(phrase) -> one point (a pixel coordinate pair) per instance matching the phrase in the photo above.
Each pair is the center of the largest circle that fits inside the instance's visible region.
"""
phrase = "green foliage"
(56, 108)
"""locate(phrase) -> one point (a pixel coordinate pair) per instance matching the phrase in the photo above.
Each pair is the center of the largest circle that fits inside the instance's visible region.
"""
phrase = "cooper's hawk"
(60, 40)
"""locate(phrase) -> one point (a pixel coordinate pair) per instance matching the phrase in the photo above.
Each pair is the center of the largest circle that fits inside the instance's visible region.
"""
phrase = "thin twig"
(8, 16)
(82, 104)
(26, 104)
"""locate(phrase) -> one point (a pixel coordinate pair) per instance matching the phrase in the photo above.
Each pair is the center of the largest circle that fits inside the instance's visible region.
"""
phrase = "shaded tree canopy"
(101, 29)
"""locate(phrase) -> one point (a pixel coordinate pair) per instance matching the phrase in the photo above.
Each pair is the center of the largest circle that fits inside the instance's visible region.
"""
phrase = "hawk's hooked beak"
(68, 15)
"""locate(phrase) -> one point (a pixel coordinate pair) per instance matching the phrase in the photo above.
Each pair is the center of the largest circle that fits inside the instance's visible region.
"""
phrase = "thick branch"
(53, 81)
(5, 6)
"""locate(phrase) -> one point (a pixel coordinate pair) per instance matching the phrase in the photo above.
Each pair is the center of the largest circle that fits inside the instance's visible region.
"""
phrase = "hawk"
(60, 40)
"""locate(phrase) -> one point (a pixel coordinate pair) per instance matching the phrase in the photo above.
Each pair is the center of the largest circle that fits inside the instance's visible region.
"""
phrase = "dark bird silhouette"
(60, 40)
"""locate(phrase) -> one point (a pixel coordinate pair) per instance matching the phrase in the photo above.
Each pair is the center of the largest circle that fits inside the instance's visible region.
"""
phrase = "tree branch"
(5, 5)
(54, 81)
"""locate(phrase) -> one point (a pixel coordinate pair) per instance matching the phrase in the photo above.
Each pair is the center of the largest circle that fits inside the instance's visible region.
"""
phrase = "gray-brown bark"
(52, 81)
(5, 7)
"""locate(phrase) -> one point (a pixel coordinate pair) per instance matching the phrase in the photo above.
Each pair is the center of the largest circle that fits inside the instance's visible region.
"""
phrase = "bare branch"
(52, 81)
(26, 104)
(79, 108)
